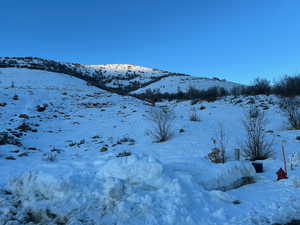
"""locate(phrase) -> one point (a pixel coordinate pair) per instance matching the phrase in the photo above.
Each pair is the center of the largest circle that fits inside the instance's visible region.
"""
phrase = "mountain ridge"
(119, 78)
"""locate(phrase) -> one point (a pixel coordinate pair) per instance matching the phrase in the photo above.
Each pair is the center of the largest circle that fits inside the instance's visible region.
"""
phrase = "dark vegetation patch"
(123, 154)
(8, 139)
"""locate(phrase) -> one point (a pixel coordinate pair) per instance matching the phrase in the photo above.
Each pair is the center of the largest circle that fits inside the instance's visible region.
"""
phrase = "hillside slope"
(85, 157)
(174, 84)
(119, 78)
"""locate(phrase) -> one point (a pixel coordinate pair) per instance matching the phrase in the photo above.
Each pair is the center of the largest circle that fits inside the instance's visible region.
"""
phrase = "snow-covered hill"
(120, 78)
(84, 156)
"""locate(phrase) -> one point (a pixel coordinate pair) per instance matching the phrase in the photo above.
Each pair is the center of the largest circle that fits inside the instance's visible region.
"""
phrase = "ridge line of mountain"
(94, 76)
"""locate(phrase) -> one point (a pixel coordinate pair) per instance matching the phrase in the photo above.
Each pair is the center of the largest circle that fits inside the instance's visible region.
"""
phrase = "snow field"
(160, 183)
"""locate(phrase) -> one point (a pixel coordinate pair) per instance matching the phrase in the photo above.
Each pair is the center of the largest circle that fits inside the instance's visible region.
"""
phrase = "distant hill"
(119, 78)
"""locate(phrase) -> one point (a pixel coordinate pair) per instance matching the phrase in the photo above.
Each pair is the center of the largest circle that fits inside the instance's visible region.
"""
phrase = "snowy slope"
(123, 78)
(174, 84)
(67, 172)
(123, 75)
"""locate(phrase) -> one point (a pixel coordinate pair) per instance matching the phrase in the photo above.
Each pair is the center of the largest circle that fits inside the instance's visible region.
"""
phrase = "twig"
(284, 160)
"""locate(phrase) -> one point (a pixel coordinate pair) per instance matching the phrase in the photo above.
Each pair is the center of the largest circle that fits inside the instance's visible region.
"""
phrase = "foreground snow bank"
(135, 190)
(129, 190)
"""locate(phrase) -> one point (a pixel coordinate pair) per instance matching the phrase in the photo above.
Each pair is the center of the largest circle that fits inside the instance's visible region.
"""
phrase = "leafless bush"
(194, 116)
(221, 141)
(261, 86)
(217, 155)
(291, 107)
(256, 145)
(50, 156)
(162, 121)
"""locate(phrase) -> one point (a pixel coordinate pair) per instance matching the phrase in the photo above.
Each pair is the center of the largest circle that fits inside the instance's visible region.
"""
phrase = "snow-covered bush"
(162, 122)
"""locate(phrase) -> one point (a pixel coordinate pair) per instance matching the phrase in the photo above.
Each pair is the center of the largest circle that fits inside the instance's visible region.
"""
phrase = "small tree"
(256, 145)
(162, 120)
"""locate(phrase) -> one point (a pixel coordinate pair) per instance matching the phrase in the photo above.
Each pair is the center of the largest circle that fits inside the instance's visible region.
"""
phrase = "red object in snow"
(281, 174)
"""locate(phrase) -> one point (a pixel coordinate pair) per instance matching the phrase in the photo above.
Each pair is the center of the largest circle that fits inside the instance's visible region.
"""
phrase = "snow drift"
(128, 190)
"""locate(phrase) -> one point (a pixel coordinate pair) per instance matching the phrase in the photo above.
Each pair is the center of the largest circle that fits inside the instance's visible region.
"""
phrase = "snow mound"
(131, 190)
(134, 170)
(228, 176)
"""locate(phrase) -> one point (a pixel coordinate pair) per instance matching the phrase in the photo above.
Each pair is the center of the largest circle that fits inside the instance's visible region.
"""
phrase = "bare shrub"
(221, 141)
(256, 145)
(162, 120)
(288, 86)
(194, 116)
(291, 107)
(50, 156)
(261, 87)
(217, 155)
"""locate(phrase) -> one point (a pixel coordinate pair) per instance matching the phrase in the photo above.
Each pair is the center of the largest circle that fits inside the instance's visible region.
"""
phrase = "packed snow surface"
(86, 158)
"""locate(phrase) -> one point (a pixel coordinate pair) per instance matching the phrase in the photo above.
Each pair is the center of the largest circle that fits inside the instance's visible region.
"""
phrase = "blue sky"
(233, 39)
